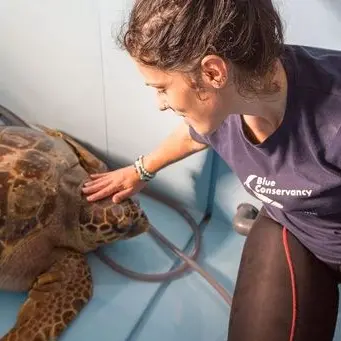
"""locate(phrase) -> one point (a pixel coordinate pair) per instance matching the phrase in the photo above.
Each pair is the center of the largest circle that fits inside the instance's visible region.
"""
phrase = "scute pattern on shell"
(41, 177)
(31, 163)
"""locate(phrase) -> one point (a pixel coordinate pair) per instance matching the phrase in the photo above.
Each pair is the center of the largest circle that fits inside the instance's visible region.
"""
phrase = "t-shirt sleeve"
(196, 137)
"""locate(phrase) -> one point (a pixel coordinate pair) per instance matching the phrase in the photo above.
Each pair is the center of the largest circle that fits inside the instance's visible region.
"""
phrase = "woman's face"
(202, 110)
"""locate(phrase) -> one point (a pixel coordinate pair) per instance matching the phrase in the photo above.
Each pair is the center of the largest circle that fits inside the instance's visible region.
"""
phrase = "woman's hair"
(175, 35)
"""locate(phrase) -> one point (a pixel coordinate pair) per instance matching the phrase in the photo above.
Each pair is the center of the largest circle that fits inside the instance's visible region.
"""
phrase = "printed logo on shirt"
(261, 186)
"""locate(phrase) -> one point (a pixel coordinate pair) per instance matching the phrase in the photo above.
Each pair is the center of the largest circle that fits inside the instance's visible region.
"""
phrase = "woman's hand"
(121, 184)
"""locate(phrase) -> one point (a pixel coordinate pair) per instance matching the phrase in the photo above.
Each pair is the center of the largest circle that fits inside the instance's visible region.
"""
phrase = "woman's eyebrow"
(156, 85)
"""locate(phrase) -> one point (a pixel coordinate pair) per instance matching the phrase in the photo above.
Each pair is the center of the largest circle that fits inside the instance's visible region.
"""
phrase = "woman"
(273, 113)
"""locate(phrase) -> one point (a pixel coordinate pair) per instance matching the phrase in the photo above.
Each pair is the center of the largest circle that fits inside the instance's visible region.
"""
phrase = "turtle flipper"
(55, 299)
(89, 162)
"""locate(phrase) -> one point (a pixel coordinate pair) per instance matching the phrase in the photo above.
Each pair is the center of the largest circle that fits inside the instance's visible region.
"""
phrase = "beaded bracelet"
(143, 173)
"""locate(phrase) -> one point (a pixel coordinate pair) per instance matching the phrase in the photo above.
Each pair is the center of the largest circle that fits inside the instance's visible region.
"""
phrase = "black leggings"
(283, 292)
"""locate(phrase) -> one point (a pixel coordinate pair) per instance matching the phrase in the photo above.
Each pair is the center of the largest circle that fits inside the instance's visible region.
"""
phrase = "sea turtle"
(47, 226)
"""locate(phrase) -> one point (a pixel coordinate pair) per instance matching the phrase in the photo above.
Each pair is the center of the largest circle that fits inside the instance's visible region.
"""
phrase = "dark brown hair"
(175, 35)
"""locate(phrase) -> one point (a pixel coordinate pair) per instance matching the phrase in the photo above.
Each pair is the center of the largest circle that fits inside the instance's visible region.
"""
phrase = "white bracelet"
(143, 173)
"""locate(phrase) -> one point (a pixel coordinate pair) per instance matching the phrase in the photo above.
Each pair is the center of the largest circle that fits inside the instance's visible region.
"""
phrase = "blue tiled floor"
(189, 309)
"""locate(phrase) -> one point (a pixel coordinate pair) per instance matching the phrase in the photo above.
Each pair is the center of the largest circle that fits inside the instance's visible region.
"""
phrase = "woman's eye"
(161, 91)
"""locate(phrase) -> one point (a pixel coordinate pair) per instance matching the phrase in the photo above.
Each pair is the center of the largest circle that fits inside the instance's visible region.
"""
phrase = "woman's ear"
(214, 71)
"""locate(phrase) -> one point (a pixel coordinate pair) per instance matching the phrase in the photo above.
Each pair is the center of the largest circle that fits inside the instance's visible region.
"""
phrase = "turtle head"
(104, 222)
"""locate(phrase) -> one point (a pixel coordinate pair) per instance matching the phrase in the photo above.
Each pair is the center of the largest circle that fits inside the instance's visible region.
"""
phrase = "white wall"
(312, 22)
(50, 65)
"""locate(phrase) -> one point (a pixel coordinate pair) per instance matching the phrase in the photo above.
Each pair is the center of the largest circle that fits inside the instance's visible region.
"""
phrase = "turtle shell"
(31, 164)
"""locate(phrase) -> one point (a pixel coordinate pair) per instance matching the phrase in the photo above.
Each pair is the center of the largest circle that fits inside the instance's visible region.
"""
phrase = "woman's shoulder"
(314, 68)
(314, 96)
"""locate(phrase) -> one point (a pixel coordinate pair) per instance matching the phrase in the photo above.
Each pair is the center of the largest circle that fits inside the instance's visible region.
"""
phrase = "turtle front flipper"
(89, 161)
(55, 299)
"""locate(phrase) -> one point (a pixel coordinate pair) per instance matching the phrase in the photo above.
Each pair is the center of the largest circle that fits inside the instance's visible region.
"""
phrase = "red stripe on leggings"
(293, 286)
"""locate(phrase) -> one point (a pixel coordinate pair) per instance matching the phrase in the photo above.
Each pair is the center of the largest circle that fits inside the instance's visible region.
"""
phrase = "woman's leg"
(263, 308)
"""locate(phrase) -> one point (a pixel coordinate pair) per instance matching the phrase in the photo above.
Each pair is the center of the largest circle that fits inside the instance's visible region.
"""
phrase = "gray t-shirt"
(296, 172)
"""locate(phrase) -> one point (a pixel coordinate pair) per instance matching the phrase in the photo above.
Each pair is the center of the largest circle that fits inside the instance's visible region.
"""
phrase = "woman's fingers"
(99, 175)
(103, 193)
(97, 186)
(97, 181)
(95, 178)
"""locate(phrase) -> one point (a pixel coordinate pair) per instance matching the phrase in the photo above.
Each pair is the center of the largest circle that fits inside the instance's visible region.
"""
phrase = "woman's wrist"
(144, 173)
